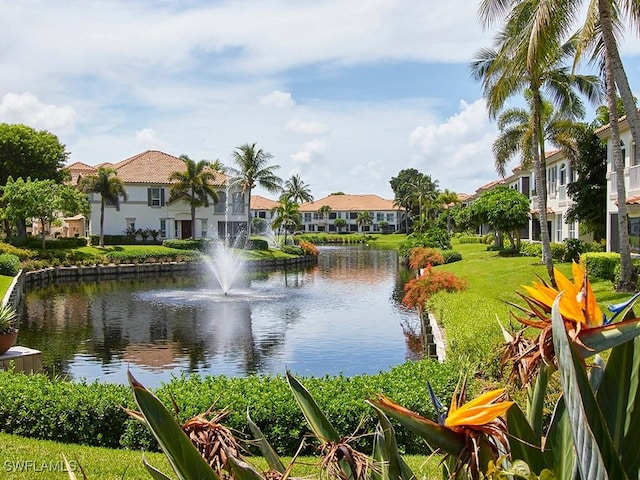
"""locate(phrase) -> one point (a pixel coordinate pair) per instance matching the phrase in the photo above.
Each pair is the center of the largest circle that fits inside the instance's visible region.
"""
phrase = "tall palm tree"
(599, 35)
(287, 216)
(522, 60)
(195, 185)
(253, 169)
(363, 219)
(110, 188)
(296, 190)
(446, 200)
(324, 212)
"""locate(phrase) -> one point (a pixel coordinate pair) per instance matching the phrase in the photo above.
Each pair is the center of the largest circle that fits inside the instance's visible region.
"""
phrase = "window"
(563, 174)
(558, 231)
(131, 224)
(307, 217)
(155, 197)
(391, 217)
(624, 152)
(262, 214)
(163, 228)
(237, 202)
(379, 217)
(634, 160)
(353, 215)
(221, 206)
(572, 229)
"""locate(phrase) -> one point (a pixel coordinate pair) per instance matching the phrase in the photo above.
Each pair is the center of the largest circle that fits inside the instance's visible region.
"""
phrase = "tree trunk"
(540, 167)
(101, 242)
(620, 76)
(628, 274)
(21, 230)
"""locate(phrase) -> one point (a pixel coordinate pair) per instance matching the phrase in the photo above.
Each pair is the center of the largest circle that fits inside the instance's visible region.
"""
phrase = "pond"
(342, 316)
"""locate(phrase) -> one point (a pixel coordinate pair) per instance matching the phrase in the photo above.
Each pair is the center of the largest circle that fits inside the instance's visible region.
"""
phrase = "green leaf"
(320, 426)
(596, 455)
(535, 400)
(524, 442)
(438, 436)
(559, 450)
(619, 399)
(603, 338)
(267, 451)
(153, 471)
(243, 471)
(184, 458)
(393, 465)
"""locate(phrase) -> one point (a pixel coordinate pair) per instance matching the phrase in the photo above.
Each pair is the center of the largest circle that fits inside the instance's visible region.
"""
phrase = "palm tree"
(598, 33)
(424, 192)
(195, 185)
(363, 219)
(110, 187)
(253, 169)
(324, 212)
(446, 200)
(297, 190)
(288, 216)
(523, 60)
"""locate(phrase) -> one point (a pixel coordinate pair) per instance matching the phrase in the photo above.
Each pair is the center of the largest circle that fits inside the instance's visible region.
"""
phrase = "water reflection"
(341, 316)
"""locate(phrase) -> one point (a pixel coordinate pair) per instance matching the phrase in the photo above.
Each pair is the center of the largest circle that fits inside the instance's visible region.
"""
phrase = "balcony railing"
(634, 177)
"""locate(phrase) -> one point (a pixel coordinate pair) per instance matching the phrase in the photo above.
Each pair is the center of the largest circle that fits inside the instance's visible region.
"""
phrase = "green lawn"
(29, 459)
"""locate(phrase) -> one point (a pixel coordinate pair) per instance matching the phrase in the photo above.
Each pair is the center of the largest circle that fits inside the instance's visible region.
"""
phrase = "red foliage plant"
(421, 257)
(419, 290)
(308, 248)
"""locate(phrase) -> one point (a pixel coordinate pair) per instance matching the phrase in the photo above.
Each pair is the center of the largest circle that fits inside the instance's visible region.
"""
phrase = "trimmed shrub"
(451, 256)
(528, 249)
(292, 250)
(21, 253)
(91, 414)
(9, 264)
(257, 244)
(470, 239)
(113, 240)
(558, 251)
(202, 244)
(574, 247)
(601, 265)
(616, 273)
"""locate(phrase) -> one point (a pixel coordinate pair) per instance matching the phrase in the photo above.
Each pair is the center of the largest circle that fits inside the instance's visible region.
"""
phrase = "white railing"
(634, 177)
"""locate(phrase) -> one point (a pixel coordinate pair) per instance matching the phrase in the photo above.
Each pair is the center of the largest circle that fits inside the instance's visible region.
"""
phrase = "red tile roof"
(262, 203)
(150, 167)
(346, 203)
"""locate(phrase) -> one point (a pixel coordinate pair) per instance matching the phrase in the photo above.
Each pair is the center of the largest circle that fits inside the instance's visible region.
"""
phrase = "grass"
(29, 459)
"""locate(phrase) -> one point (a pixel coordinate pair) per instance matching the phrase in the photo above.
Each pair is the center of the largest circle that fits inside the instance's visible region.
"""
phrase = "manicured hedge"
(601, 264)
(202, 244)
(9, 264)
(91, 414)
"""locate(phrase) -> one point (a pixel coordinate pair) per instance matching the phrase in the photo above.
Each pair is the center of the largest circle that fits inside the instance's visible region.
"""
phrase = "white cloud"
(313, 151)
(278, 99)
(148, 139)
(459, 149)
(28, 109)
(302, 127)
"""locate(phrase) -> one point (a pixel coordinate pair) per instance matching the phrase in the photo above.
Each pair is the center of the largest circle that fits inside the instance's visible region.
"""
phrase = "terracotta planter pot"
(7, 341)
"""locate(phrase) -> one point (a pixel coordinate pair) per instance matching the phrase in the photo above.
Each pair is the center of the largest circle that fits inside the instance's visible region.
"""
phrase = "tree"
(363, 219)
(528, 58)
(505, 210)
(340, 223)
(194, 185)
(324, 212)
(296, 190)
(423, 192)
(26, 152)
(253, 169)
(401, 189)
(589, 191)
(447, 200)
(287, 216)
(44, 200)
(109, 186)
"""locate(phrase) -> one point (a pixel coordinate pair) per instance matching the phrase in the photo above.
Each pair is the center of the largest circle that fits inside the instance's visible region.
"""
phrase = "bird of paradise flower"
(587, 326)
(472, 433)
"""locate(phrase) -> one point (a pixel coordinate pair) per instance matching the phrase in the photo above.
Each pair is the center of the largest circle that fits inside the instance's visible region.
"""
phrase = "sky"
(344, 93)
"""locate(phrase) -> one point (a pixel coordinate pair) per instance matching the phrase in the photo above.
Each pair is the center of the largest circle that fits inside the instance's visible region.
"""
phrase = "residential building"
(321, 215)
(632, 186)
(146, 180)
(262, 212)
